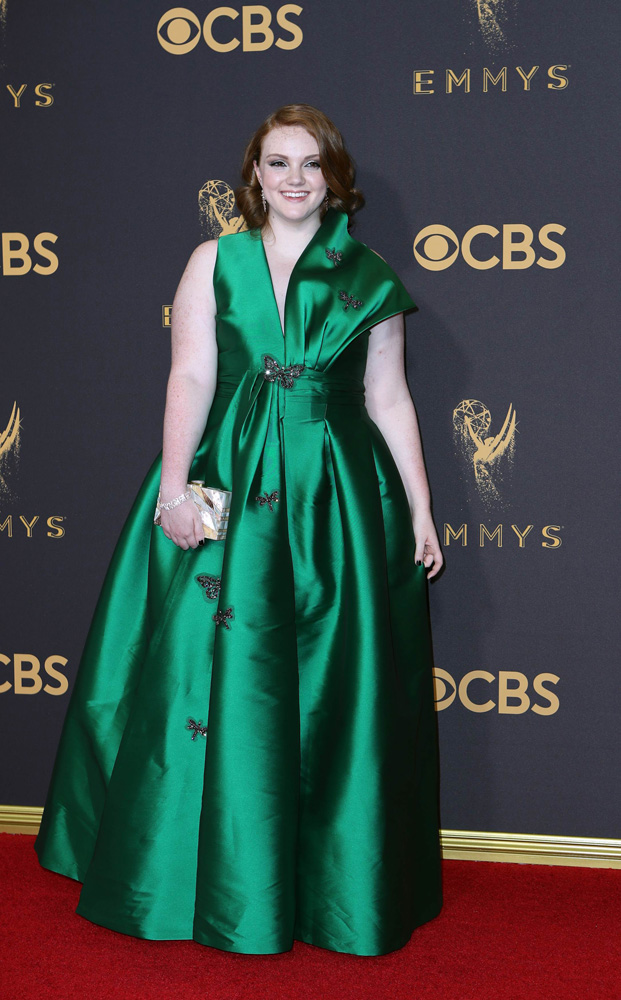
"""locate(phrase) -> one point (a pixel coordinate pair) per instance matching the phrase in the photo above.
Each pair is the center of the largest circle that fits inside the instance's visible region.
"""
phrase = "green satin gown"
(303, 802)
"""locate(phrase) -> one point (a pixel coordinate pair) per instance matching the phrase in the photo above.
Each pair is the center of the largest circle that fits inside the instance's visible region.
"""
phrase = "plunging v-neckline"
(282, 323)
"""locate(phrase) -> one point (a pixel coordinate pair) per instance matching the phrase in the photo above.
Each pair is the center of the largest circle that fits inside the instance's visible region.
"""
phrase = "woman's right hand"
(183, 525)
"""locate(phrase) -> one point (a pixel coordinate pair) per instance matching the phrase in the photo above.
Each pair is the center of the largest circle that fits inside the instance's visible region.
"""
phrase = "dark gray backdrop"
(113, 167)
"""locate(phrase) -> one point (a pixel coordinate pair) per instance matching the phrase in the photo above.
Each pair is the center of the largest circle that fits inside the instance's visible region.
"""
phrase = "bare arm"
(190, 390)
(390, 406)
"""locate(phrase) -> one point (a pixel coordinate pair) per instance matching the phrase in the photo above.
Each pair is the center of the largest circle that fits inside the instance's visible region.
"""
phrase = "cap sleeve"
(398, 298)
(393, 298)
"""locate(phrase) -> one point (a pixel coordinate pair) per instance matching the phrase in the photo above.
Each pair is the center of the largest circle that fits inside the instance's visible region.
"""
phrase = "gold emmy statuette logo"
(216, 202)
(483, 452)
(491, 21)
(493, 16)
(3, 12)
(10, 523)
(10, 443)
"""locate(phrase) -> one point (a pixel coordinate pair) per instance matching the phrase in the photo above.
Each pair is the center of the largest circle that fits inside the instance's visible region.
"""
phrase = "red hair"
(337, 166)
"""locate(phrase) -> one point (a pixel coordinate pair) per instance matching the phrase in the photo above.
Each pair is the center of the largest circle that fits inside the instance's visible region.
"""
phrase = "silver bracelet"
(175, 503)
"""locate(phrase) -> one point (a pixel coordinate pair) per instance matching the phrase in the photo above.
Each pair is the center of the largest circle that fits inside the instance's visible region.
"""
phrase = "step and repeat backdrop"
(484, 137)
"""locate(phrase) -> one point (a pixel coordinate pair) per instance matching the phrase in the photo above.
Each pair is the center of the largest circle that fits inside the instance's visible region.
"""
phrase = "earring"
(327, 199)
(263, 200)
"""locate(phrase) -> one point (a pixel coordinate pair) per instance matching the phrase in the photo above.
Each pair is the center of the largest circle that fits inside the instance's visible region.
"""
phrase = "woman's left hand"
(427, 548)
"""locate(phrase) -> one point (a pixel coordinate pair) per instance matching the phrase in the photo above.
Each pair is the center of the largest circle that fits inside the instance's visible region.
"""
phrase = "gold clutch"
(213, 506)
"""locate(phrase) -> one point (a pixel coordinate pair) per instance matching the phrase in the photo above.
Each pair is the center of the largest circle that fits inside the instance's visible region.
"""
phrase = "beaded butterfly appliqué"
(221, 617)
(268, 498)
(274, 372)
(198, 727)
(334, 255)
(349, 300)
(210, 585)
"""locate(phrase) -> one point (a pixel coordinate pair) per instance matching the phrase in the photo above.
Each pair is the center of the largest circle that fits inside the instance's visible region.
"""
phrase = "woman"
(303, 805)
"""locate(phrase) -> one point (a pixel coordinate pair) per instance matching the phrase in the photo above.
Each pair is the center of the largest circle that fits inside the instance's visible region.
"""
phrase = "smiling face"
(290, 172)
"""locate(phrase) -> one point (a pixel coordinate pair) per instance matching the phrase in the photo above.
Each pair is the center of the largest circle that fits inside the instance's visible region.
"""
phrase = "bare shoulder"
(204, 255)
(199, 270)
(195, 293)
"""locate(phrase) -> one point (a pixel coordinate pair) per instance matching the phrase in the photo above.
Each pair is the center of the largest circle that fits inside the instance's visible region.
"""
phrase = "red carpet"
(507, 932)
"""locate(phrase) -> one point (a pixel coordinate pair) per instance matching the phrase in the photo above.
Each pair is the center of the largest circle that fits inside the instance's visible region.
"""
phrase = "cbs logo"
(510, 690)
(441, 247)
(17, 259)
(27, 674)
(179, 30)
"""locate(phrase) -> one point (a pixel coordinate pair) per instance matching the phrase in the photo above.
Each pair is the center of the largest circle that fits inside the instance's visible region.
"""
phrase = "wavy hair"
(337, 166)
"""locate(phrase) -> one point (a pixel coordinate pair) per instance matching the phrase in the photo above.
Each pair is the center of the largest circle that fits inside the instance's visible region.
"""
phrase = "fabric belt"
(309, 383)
